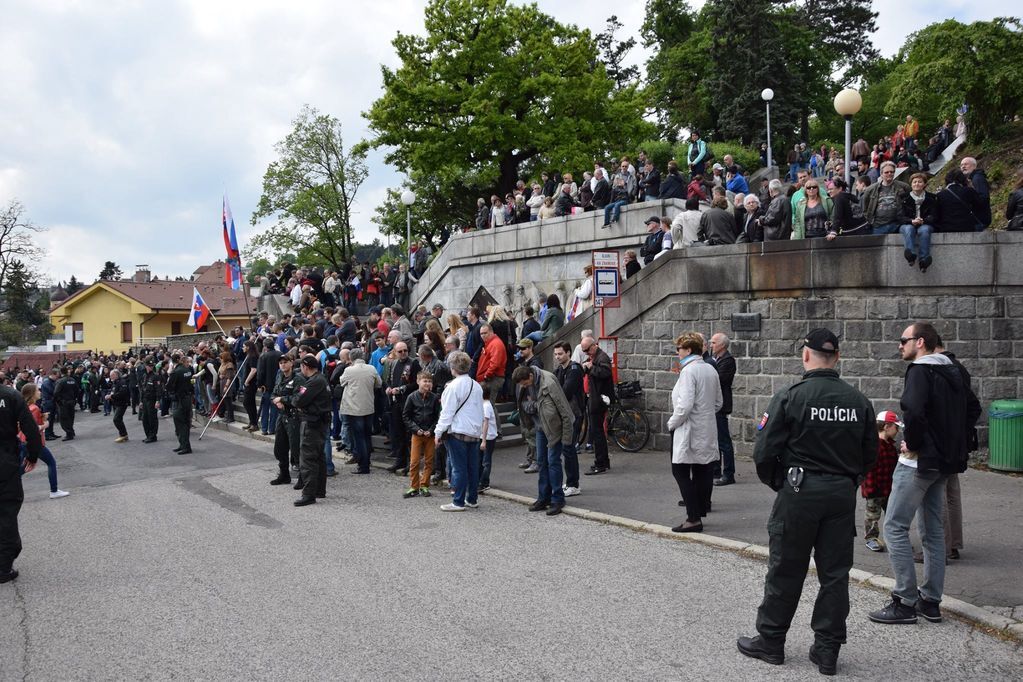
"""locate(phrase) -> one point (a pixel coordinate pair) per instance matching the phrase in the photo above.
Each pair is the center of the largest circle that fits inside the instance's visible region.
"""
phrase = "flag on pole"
(200, 311)
(233, 271)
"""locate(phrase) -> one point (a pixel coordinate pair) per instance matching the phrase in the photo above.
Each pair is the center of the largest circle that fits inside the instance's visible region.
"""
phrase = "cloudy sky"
(122, 122)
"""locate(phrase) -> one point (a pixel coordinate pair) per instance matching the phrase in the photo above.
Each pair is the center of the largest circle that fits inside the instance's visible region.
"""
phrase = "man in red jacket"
(492, 363)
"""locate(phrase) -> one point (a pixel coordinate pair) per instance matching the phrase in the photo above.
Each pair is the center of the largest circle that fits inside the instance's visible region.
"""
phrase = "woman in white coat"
(695, 401)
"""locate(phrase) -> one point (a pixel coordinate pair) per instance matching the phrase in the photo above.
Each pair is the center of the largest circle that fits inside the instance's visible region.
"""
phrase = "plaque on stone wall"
(481, 299)
(745, 322)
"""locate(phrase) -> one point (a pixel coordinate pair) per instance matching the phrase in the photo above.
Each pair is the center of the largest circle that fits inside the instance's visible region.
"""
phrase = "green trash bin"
(1005, 435)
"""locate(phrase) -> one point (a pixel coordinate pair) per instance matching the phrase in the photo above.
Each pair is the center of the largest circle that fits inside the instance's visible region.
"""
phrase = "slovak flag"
(200, 311)
(233, 271)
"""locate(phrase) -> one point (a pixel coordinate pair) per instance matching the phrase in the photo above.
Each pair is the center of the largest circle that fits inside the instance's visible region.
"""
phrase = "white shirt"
(296, 295)
(491, 417)
(469, 418)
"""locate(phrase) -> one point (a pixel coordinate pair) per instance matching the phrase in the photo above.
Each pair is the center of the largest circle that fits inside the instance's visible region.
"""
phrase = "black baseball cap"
(653, 219)
(311, 362)
(822, 340)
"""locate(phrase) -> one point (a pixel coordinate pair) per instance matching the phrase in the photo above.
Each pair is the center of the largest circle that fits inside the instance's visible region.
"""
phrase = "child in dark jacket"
(877, 485)
(420, 414)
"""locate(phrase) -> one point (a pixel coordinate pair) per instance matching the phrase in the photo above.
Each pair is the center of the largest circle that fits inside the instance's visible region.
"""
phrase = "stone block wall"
(984, 331)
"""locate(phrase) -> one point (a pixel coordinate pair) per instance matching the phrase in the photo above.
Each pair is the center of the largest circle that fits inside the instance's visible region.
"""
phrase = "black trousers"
(67, 418)
(183, 421)
(694, 482)
(11, 497)
(51, 419)
(119, 419)
(595, 419)
(249, 401)
(150, 421)
(286, 443)
(399, 437)
(821, 518)
(312, 462)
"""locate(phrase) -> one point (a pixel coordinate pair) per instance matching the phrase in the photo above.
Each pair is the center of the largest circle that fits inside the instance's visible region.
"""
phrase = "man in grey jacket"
(358, 385)
(777, 220)
(552, 413)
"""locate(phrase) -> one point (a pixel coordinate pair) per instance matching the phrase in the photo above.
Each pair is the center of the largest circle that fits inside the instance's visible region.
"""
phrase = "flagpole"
(213, 413)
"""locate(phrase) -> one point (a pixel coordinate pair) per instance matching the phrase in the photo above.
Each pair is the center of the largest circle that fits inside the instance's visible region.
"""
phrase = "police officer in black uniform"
(151, 390)
(179, 385)
(65, 396)
(287, 434)
(119, 397)
(13, 413)
(816, 442)
(313, 406)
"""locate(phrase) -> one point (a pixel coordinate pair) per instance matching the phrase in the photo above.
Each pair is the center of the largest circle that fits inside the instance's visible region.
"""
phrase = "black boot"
(756, 647)
(825, 659)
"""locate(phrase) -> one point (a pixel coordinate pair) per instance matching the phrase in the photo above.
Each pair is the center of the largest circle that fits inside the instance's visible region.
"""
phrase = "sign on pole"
(606, 276)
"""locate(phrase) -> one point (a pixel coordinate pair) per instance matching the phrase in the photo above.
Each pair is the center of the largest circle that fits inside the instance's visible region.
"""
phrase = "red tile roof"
(36, 360)
(171, 295)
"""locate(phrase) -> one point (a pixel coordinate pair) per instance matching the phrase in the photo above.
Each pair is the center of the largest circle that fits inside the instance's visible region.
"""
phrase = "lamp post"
(847, 104)
(408, 197)
(767, 95)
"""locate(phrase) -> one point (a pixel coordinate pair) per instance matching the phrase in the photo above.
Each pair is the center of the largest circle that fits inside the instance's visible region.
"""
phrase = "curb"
(995, 624)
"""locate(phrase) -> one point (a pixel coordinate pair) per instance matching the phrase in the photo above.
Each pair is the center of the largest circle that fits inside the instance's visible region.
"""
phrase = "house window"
(78, 332)
(126, 332)
(175, 328)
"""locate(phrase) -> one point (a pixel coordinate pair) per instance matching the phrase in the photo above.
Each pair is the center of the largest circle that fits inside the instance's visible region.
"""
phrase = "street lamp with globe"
(767, 95)
(847, 104)
(408, 197)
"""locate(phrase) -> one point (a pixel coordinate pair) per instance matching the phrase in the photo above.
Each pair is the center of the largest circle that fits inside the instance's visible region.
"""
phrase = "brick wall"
(985, 332)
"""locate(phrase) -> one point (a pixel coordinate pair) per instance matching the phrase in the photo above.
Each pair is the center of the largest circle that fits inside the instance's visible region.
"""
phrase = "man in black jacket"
(724, 363)
(601, 385)
(266, 378)
(570, 377)
(65, 395)
(14, 416)
(119, 398)
(601, 190)
(651, 182)
(934, 412)
(654, 240)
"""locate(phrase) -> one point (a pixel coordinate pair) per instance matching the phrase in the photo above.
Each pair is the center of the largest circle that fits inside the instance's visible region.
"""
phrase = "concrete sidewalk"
(640, 486)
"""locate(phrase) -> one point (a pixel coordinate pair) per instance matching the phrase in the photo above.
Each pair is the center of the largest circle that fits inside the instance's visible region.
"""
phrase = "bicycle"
(627, 426)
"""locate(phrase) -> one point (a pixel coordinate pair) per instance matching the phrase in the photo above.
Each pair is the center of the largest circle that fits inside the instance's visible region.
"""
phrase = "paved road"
(640, 486)
(202, 570)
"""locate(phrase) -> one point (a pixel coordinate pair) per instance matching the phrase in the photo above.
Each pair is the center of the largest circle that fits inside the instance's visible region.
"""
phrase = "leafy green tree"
(613, 53)
(73, 286)
(491, 88)
(434, 215)
(745, 39)
(679, 40)
(23, 319)
(309, 190)
(949, 63)
(110, 271)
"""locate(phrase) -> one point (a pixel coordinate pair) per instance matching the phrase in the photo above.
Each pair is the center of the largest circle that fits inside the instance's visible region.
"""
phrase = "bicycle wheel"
(630, 429)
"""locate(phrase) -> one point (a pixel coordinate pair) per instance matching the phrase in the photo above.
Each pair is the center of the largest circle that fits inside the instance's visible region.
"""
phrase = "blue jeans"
(535, 337)
(44, 456)
(337, 424)
(921, 235)
(465, 469)
(613, 211)
(887, 228)
(570, 453)
(360, 429)
(267, 413)
(486, 462)
(793, 170)
(548, 458)
(328, 455)
(726, 449)
(920, 494)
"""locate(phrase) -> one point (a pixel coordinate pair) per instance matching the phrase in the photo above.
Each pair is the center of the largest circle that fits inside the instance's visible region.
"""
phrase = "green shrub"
(659, 152)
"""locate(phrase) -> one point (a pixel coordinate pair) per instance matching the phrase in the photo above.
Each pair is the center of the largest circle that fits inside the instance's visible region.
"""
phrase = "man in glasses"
(815, 443)
(882, 201)
(935, 446)
(399, 382)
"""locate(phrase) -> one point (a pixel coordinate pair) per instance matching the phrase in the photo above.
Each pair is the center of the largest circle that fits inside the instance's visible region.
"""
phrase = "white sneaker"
(471, 505)
(451, 507)
(59, 494)
(571, 492)
(217, 419)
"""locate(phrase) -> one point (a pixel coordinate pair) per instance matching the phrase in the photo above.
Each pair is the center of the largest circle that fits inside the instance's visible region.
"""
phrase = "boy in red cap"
(877, 486)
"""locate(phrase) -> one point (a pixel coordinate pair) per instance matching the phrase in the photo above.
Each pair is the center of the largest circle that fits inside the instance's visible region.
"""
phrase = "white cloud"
(125, 121)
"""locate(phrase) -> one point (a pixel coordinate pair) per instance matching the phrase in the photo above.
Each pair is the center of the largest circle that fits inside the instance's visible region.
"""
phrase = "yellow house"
(117, 315)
